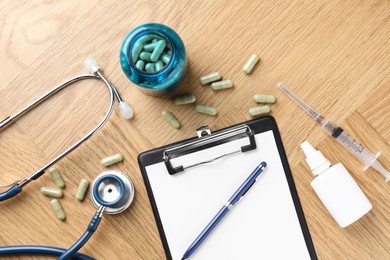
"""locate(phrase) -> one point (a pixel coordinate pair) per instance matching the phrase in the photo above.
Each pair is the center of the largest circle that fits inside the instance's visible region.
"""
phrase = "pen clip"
(250, 186)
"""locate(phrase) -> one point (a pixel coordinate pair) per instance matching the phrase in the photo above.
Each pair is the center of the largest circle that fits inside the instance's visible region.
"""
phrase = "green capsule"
(158, 50)
(56, 206)
(159, 65)
(56, 176)
(145, 56)
(251, 63)
(135, 52)
(256, 111)
(154, 40)
(140, 65)
(211, 111)
(184, 100)
(145, 39)
(165, 57)
(150, 46)
(149, 67)
(171, 119)
(82, 190)
(210, 78)
(260, 98)
(110, 160)
(52, 192)
(224, 84)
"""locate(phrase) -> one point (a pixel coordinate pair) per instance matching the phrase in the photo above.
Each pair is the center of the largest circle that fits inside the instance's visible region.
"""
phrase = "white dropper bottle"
(336, 188)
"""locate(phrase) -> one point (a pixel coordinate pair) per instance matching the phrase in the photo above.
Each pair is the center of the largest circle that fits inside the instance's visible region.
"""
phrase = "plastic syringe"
(367, 157)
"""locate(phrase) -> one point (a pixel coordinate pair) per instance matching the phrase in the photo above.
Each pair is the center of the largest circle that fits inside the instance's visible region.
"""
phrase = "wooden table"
(333, 54)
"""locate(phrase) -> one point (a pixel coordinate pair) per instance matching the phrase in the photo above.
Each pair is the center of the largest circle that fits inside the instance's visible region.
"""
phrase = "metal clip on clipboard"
(205, 140)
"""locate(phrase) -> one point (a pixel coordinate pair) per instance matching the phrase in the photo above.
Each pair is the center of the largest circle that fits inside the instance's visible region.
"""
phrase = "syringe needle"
(369, 159)
(300, 102)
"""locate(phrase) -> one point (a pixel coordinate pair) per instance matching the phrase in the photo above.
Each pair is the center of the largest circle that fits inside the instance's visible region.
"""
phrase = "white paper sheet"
(263, 225)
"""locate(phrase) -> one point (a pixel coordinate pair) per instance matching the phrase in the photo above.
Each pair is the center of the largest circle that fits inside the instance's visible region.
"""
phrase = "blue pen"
(235, 198)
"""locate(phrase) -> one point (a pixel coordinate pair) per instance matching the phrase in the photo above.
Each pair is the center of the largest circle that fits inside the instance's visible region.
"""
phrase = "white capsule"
(256, 111)
(224, 84)
(210, 78)
(251, 63)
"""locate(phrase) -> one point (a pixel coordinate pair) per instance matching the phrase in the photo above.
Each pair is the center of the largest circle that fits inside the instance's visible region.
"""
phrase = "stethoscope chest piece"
(114, 190)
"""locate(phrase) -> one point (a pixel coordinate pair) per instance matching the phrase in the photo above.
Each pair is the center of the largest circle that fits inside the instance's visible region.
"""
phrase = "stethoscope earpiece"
(114, 190)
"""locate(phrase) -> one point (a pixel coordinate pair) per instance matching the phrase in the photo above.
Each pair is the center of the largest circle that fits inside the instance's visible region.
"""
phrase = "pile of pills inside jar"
(151, 53)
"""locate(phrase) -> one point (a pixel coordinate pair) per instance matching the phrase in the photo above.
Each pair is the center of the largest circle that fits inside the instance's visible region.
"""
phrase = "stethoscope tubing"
(39, 250)
(15, 189)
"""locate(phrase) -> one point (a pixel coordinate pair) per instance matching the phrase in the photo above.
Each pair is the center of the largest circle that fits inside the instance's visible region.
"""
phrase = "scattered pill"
(211, 111)
(165, 57)
(52, 192)
(224, 84)
(251, 63)
(149, 67)
(154, 40)
(171, 119)
(158, 50)
(184, 100)
(82, 190)
(260, 98)
(140, 65)
(56, 176)
(159, 65)
(260, 110)
(110, 160)
(150, 46)
(56, 206)
(137, 48)
(210, 78)
(145, 56)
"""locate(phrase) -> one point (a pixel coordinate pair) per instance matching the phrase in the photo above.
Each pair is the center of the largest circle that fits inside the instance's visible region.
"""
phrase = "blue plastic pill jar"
(171, 76)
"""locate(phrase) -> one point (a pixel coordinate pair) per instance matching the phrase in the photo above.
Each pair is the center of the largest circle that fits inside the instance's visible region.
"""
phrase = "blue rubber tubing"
(39, 250)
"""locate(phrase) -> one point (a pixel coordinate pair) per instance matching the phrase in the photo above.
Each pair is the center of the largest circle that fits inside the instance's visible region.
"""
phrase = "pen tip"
(183, 258)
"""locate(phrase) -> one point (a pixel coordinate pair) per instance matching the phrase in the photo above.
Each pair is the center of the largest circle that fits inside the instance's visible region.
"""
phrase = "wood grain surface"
(333, 54)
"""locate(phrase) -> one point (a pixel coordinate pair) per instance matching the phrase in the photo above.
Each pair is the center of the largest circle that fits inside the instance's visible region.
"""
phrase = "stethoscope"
(112, 192)
(124, 109)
